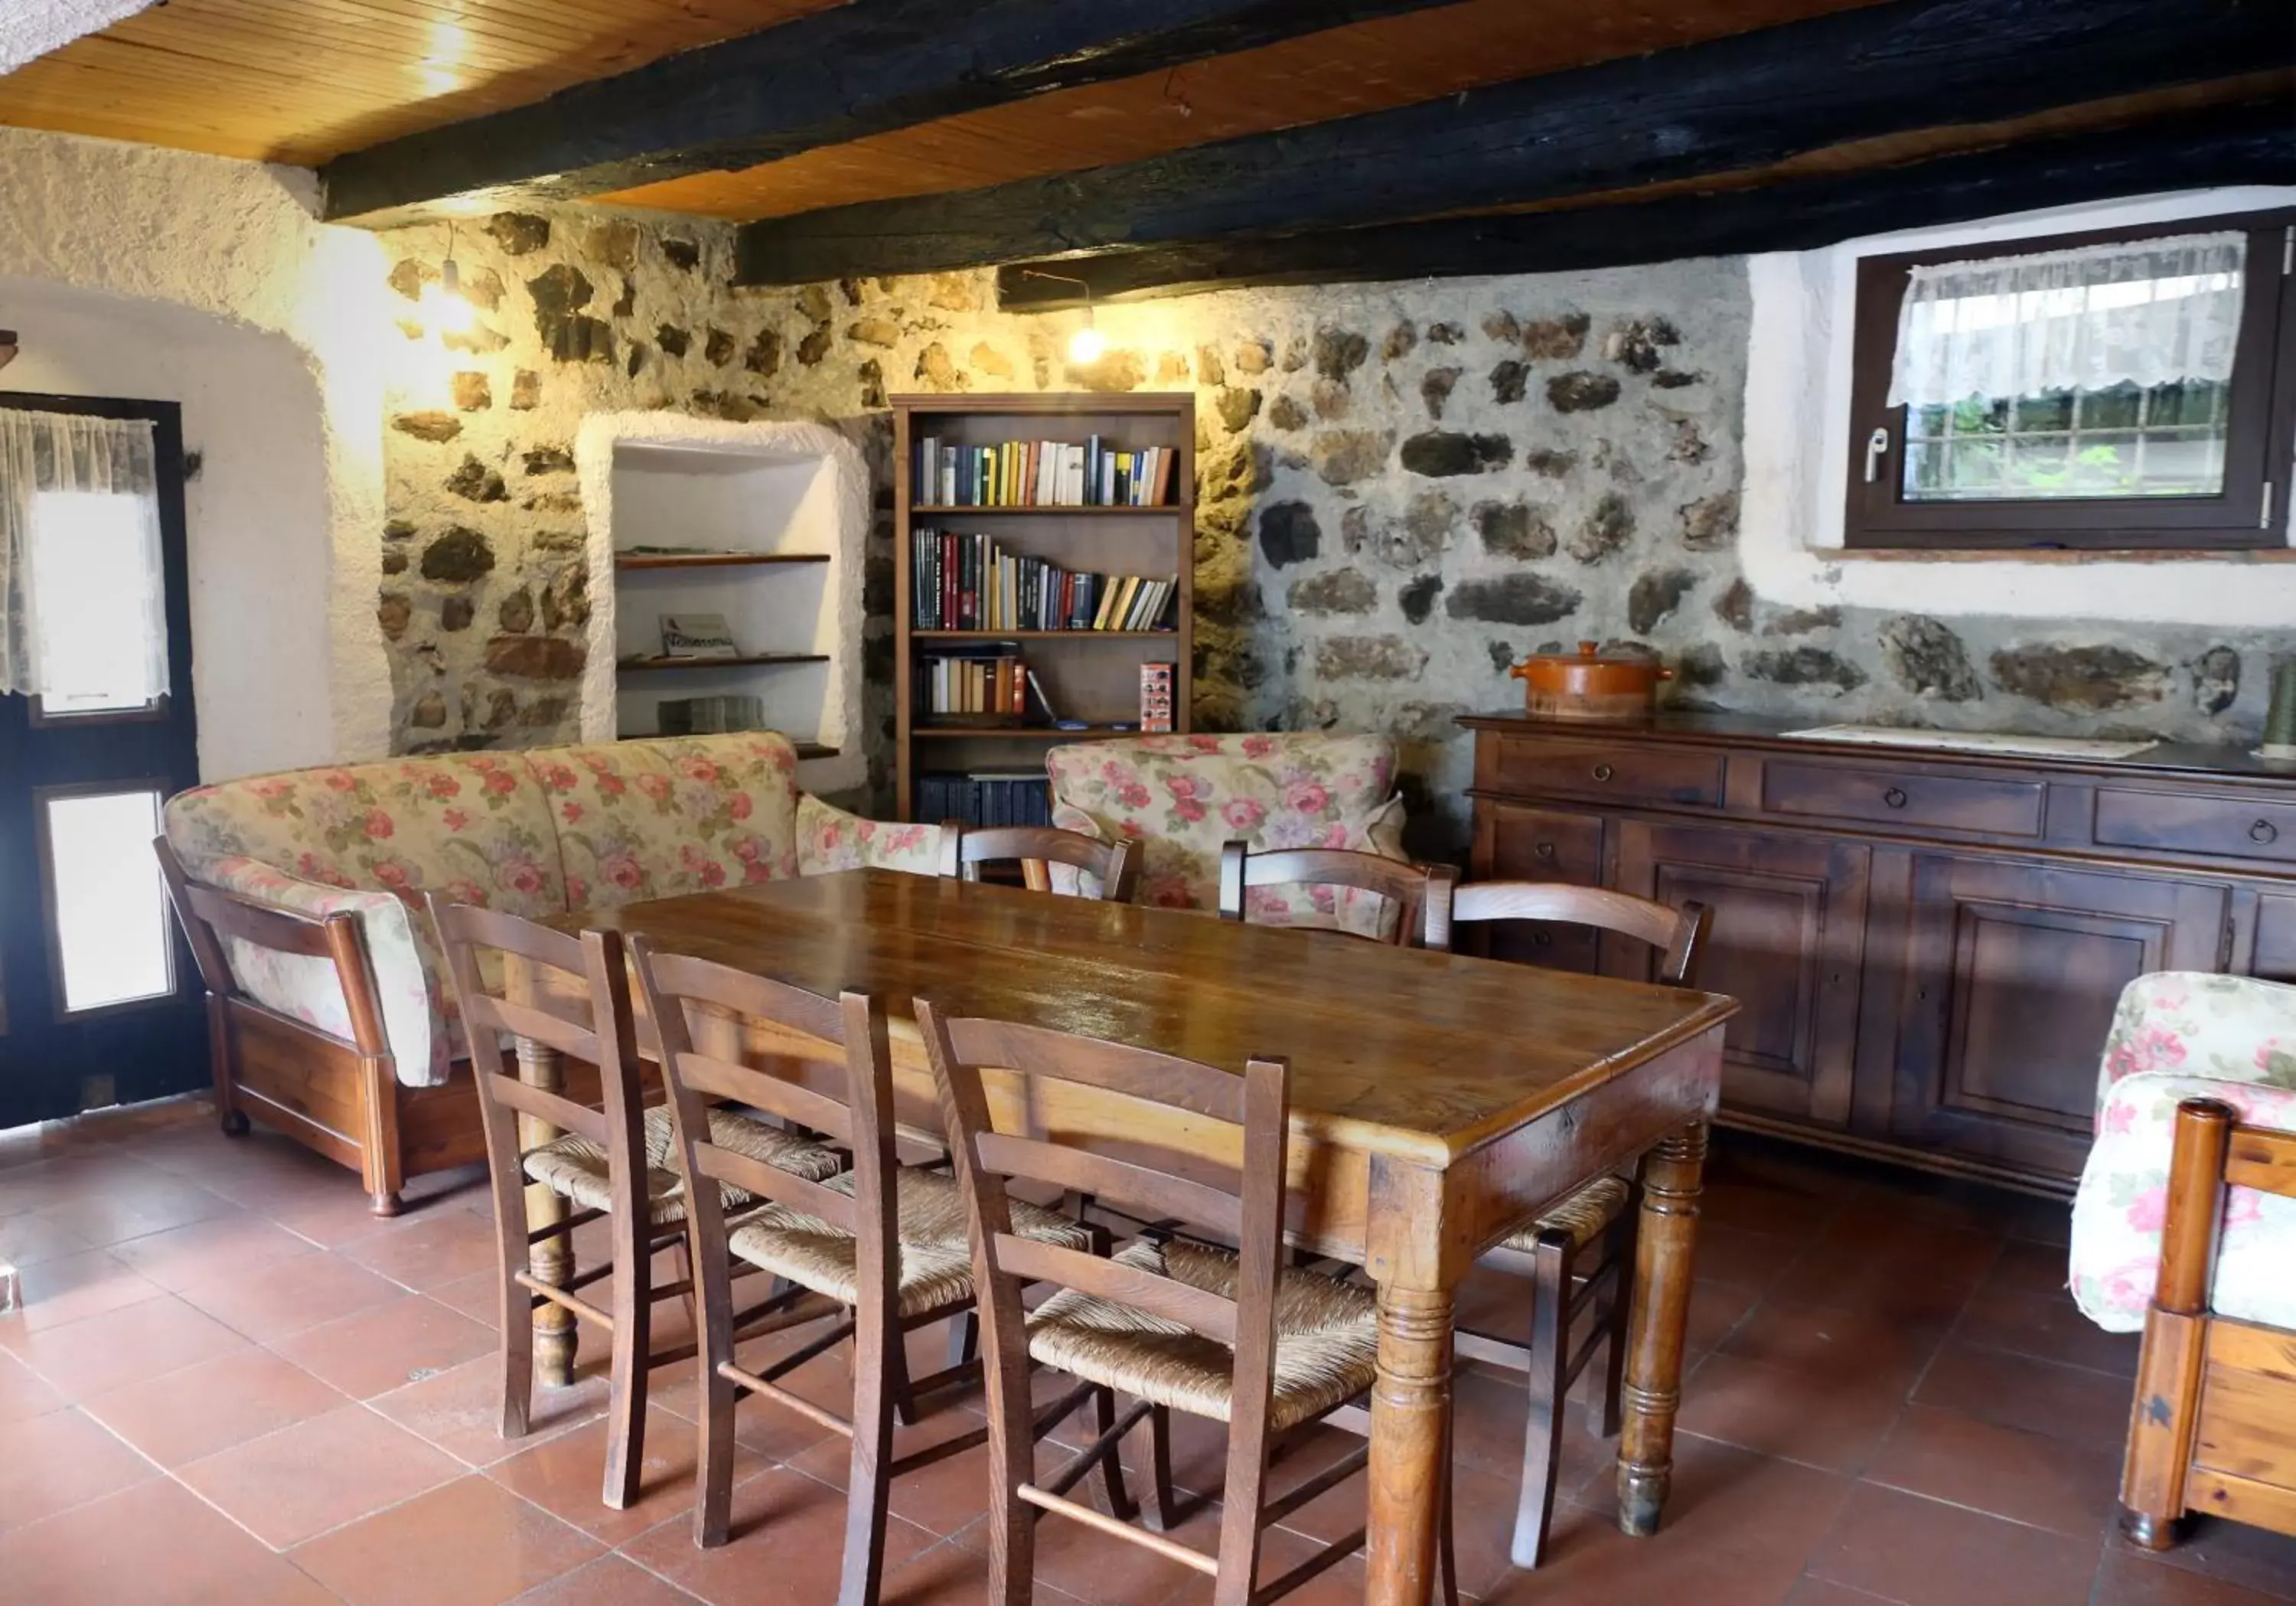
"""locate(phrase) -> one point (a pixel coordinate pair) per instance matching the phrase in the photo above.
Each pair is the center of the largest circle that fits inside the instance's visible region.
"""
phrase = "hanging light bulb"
(444, 303)
(1087, 345)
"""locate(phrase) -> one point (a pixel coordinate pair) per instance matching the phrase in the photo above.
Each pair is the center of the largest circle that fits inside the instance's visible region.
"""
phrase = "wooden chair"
(882, 1248)
(1175, 1324)
(1411, 886)
(1602, 1216)
(2214, 1427)
(1115, 865)
(611, 1162)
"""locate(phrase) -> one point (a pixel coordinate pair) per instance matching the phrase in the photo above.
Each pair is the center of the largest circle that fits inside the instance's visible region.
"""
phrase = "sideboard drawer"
(1613, 773)
(1904, 797)
(2225, 826)
(1544, 844)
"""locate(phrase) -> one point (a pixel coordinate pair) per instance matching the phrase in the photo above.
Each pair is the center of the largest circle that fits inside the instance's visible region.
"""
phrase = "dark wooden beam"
(2247, 145)
(1725, 105)
(854, 69)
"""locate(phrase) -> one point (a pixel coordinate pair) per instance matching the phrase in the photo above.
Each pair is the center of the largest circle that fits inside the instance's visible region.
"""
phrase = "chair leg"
(714, 1447)
(963, 1337)
(1616, 1315)
(1446, 1549)
(897, 1361)
(1166, 1516)
(625, 1403)
(879, 1386)
(1111, 1462)
(1542, 1437)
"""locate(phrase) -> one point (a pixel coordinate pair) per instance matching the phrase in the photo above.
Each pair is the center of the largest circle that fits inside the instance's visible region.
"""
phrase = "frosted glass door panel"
(95, 603)
(111, 937)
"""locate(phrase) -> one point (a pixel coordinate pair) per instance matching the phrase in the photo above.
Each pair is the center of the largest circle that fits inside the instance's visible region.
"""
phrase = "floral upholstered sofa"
(1182, 796)
(366, 1067)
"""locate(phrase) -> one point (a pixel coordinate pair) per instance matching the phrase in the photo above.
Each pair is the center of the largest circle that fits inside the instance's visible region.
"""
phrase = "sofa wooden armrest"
(2213, 1429)
(341, 1096)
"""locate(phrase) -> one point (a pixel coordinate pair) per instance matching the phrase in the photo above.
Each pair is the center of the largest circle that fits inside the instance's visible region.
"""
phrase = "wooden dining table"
(1438, 1102)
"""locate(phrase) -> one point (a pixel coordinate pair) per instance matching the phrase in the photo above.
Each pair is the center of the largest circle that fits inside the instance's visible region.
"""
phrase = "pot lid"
(1591, 652)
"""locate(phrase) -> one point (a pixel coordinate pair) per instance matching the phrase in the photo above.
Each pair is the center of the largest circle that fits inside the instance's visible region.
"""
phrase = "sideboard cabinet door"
(2011, 973)
(1787, 942)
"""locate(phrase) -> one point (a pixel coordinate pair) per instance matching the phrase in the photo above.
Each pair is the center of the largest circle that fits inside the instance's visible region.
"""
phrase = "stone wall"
(1402, 489)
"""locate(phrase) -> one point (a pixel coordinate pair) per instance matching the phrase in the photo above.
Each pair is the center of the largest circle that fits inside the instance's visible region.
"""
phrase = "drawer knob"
(1544, 850)
(1603, 772)
(1895, 797)
(2264, 830)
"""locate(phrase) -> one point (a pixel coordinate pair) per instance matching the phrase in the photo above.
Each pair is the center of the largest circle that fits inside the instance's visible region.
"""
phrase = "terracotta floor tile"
(318, 1474)
(207, 1250)
(943, 1498)
(611, 1580)
(123, 1210)
(1741, 1259)
(1923, 1552)
(1900, 1280)
(22, 1395)
(788, 1539)
(406, 1341)
(183, 1554)
(478, 1296)
(69, 1288)
(1841, 1345)
(564, 1475)
(1788, 1411)
(2047, 1326)
(433, 1247)
(468, 1543)
(147, 1339)
(185, 1415)
(28, 1238)
(2069, 1403)
(2030, 1268)
(2005, 1472)
(1736, 1531)
(951, 1574)
(2231, 1552)
(460, 1411)
(269, 1302)
(2130, 1578)
(1820, 1591)
(51, 1464)
(1779, 1208)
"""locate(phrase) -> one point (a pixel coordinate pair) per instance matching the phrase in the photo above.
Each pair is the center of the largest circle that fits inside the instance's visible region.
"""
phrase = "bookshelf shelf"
(714, 560)
(1095, 678)
(741, 661)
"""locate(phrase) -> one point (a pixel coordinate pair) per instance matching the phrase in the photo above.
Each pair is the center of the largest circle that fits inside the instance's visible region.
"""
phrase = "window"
(2125, 390)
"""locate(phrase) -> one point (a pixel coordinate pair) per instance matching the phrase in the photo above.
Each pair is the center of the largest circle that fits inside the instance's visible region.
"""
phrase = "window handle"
(1877, 447)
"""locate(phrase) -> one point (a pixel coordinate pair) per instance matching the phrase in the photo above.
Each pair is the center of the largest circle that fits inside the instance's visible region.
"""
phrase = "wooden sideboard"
(1927, 946)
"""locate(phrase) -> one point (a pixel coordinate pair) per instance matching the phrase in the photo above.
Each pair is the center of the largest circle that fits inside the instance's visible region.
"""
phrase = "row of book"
(992, 683)
(1042, 473)
(986, 798)
(968, 582)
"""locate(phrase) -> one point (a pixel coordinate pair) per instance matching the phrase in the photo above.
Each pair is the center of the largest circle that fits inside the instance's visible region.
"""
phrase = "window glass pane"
(2117, 441)
(111, 937)
(95, 602)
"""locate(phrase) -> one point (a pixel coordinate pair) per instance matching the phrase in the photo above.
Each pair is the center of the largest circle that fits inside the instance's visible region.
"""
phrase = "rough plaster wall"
(1401, 488)
(236, 241)
(30, 29)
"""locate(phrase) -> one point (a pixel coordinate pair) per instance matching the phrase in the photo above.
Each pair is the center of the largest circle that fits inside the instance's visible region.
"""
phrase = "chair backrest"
(852, 1104)
(1252, 1213)
(598, 1030)
(209, 917)
(964, 849)
(1679, 934)
(1409, 885)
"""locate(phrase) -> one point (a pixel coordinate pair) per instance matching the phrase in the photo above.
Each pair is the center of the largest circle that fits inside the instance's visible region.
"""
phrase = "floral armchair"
(2180, 1035)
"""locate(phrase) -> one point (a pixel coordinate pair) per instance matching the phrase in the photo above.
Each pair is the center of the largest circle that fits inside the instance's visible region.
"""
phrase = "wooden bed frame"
(343, 1099)
(2214, 1426)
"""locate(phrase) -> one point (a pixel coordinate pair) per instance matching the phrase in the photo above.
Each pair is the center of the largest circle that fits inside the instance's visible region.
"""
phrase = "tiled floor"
(232, 1386)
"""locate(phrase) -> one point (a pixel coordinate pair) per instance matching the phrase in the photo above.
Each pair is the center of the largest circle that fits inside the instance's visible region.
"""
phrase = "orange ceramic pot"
(1590, 684)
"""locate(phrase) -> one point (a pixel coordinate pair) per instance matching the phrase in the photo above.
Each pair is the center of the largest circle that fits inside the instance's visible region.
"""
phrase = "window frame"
(2250, 514)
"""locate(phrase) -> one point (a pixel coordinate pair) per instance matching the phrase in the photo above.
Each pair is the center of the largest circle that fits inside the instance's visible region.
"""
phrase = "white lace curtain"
(2145, 312)
(82, 595)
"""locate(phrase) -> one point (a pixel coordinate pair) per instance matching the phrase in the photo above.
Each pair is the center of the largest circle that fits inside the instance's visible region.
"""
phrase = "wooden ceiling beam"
(836, 75)
(2254, 144)
(1728, 105)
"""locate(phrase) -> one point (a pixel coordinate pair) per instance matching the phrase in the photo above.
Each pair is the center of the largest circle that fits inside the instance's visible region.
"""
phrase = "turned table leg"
(551, 1260)
(1410, 1431)
(1662, 1313)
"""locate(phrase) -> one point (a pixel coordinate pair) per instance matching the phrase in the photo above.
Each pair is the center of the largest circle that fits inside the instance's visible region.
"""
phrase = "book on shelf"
(1156, 685)
(967, 582)
(986, 799)
(1042, 473)
(709, 716)
(697, 636)
(988, 683)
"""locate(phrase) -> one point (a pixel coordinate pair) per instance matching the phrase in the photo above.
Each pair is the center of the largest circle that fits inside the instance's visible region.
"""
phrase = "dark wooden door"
(1517, 843)
(2011, 973)
(1787, 942)
(98, 1001)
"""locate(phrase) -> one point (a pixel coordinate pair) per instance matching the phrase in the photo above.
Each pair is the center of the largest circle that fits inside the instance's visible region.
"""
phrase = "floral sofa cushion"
(1182, 796)
(2180, 1035)
(829, 839)
(472, 827)
(664, 818)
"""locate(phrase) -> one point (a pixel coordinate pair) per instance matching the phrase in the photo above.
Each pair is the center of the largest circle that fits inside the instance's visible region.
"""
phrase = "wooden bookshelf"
(1091, 676)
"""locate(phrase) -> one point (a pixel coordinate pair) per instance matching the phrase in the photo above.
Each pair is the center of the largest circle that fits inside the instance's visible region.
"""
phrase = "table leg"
(1671, 1175)
(551, 1260)
(1410, 1433)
